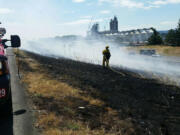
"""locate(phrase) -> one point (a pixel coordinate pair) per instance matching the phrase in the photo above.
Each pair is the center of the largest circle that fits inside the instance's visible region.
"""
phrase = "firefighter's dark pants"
(105, 61)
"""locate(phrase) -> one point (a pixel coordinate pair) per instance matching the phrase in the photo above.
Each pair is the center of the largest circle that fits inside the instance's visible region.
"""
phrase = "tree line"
(172, 37)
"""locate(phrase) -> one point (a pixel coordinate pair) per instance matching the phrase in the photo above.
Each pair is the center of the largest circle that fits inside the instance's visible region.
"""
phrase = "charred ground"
(130, 104)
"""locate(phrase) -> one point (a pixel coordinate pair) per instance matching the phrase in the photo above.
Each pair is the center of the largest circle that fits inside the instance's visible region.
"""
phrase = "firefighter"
(106, 56)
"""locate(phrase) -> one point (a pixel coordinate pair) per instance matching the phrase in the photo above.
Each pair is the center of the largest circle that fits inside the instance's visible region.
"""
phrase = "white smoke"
(91, 52)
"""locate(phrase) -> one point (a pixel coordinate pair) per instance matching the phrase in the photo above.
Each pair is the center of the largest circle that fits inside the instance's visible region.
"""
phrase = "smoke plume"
(165, 68)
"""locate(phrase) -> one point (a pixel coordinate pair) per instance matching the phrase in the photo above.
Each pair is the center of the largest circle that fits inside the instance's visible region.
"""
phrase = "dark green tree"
(178, 28)
(173, 36)
(155, 39)
(178, 34)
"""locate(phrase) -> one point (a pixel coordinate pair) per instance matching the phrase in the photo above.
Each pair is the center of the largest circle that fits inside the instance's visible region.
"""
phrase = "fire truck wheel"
(7, 108)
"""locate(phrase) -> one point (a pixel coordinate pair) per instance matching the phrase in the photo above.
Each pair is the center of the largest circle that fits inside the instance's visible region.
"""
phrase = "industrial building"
(114, 25)
(135, 36)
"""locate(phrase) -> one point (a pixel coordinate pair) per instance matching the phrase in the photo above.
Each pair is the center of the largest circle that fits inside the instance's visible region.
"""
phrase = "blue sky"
(48, 18)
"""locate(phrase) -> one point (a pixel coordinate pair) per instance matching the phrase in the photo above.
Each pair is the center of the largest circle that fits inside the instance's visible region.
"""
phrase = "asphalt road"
(20, 123)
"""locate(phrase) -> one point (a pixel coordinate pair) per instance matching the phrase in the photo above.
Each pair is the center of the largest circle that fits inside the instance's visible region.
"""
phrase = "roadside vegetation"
(172, 38)
(74, 98)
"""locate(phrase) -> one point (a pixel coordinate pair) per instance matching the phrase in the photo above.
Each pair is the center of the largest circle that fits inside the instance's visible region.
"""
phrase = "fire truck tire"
(7, 107)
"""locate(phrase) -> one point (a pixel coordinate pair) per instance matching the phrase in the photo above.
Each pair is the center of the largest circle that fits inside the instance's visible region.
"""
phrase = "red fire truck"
(5, 86)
